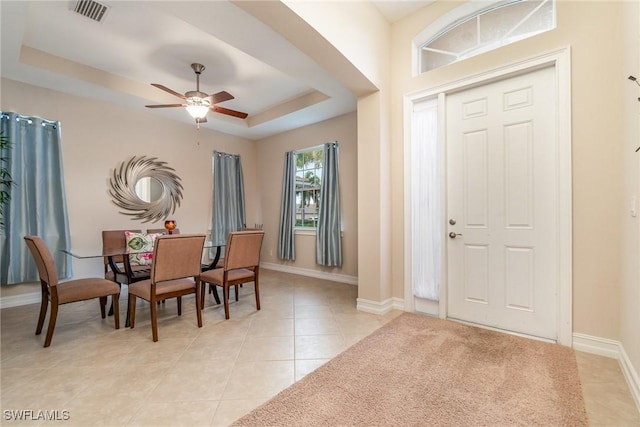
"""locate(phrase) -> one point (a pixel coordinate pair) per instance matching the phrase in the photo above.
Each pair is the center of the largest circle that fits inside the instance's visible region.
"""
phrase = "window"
(501, 24)
(307, 186)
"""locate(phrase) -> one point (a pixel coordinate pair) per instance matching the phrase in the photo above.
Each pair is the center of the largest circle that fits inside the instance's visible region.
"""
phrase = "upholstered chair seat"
(143, 288)
(84, 289)
(217, 275)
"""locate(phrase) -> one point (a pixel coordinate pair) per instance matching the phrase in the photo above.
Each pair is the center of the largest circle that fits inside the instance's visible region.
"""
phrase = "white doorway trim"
(561, 61)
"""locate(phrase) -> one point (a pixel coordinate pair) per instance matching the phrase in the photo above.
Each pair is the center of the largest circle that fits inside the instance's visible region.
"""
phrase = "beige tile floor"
(212, 375)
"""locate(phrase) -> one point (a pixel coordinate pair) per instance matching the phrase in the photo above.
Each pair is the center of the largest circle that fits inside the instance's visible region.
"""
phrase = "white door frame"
(561, 60)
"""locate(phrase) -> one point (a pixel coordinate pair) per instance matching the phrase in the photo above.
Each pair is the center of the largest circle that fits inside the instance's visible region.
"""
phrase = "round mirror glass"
(149, 189)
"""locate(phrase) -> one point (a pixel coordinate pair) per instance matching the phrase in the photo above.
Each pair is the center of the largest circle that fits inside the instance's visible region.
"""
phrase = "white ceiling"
(393, 10)
(47, 44)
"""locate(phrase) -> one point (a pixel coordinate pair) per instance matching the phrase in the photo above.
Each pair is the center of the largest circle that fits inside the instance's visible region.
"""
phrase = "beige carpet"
(422, 371)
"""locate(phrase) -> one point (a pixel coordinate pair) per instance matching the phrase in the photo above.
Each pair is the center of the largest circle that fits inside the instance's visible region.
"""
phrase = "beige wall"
(96, 137)
(362, 36)
(374, 206)
(630, 277)
(271, 152)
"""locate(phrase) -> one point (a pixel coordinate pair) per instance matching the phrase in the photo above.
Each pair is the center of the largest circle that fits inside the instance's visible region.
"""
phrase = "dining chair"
(216, 262)
(175, 273)
(66, 292)
(162, 231)
(256, 226)
(115, 269)
(241, 265)
(113, 241)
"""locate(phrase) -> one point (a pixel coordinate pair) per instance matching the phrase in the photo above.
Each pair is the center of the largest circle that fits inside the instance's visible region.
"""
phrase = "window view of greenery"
(308, 177)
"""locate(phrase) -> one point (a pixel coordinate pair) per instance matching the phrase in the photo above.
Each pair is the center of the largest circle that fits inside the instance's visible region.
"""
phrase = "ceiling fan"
(199, 103)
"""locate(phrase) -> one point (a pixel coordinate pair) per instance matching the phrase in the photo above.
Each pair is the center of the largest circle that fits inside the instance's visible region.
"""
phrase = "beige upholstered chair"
(241, 265)
(114, 240)
(114, 268)
(66, 292)
(174, 274)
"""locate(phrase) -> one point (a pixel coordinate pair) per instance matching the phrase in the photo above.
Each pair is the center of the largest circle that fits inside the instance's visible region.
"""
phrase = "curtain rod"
(219, 153)
(29, 120)
(317, 147)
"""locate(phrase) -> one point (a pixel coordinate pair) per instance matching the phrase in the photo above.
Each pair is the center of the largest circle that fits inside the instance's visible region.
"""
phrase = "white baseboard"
(377, 307)
(16, 300)
(615, 350)
(631, 376)
(342, 278)
(596, 345)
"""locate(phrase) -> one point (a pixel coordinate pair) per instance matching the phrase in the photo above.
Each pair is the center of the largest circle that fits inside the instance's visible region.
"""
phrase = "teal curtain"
(228, 197)
(328, 240)
(286, 237)
(38, 203)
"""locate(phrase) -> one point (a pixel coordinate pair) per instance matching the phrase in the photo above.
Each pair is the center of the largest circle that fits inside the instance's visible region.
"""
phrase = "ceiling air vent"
(91, 9)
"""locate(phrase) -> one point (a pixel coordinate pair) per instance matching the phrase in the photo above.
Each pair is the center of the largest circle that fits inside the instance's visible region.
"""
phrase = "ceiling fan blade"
(165, 105)
(166, 89)
(216, 98)
(228, 112)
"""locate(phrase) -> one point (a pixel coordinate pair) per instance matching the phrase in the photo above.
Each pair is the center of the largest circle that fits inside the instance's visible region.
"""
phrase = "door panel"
(501, 192)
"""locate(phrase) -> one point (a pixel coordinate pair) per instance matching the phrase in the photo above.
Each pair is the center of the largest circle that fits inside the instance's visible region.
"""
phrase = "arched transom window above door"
(478, 27)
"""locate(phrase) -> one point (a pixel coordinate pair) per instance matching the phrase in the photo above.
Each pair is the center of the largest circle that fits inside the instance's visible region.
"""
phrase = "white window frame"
(449, 21)
(305, 229)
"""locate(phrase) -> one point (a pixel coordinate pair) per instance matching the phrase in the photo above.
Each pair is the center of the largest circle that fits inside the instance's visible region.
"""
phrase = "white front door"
(502, 204)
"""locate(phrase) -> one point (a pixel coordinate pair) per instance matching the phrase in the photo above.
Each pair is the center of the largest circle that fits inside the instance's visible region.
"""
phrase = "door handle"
(454, 235)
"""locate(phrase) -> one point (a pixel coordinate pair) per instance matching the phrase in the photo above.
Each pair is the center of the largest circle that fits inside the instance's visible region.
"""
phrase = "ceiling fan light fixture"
(197, 111)
(197, 108)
